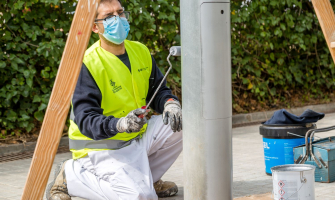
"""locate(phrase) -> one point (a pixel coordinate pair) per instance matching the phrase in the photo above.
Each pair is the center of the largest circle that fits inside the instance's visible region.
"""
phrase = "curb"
(28, 146)
(258, 117)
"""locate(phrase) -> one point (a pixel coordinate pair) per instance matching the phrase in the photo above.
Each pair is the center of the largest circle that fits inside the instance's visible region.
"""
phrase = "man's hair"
(106, 1)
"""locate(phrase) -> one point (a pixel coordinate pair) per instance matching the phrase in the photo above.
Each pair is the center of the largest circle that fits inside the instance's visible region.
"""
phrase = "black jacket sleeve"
(88, 114)
(164, 92)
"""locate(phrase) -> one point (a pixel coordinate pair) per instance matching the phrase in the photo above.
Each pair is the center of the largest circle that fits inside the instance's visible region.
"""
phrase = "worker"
(116, 153)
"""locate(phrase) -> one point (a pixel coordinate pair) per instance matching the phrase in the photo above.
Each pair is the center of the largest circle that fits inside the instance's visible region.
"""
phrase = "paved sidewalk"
(250, 180)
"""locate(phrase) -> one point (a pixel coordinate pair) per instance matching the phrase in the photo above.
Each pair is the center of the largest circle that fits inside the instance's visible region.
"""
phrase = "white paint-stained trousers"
(127, 173)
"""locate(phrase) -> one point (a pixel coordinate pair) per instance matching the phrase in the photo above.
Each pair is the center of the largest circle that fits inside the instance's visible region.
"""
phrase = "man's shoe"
(57, 189)
(165, 188)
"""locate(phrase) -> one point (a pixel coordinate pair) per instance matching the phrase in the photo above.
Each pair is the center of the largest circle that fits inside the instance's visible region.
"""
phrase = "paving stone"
(15, 197)
(8, 191)
(325, 198)
(266, 196)
(15, 182)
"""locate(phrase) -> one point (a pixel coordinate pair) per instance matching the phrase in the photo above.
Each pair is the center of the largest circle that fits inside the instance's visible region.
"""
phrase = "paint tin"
(293, 182)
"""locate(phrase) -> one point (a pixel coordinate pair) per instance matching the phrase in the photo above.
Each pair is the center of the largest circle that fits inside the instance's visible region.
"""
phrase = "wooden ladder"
(59, 102)
(324, 12)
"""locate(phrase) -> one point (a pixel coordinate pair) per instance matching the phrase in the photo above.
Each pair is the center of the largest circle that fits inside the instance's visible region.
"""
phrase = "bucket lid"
(292, 168)
(282, 130)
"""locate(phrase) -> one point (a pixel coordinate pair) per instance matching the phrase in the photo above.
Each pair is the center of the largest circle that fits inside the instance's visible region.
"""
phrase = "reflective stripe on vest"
(122, 91)
(99, 144)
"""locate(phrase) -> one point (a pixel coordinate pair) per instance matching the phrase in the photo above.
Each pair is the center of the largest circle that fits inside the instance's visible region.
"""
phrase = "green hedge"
(278, 50)
(33, 35)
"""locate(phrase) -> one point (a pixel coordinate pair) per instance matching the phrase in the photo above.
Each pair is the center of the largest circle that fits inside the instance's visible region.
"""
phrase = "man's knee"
(176, 137)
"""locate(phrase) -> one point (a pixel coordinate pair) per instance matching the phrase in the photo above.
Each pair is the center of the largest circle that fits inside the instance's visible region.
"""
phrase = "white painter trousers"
(127, 173)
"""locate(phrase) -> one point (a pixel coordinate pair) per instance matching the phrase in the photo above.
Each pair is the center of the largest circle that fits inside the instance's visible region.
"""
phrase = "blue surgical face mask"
(116, 29)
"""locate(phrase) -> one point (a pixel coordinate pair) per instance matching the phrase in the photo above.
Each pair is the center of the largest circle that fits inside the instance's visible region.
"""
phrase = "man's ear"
(95, 28)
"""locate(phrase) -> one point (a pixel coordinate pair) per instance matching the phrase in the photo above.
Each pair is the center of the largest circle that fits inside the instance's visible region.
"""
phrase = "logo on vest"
(142, 69)
(115, 87)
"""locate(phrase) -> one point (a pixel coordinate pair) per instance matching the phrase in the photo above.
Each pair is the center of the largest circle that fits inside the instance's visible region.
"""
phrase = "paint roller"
(174, 51)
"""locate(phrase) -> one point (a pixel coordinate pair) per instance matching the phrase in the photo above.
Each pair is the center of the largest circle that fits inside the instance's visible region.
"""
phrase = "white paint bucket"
(293, 182)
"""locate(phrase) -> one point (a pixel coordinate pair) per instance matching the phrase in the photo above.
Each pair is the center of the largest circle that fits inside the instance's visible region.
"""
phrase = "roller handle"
(142, 115)
(174, 51)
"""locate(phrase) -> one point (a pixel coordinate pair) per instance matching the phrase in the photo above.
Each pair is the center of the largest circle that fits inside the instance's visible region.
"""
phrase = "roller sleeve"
(175, 51)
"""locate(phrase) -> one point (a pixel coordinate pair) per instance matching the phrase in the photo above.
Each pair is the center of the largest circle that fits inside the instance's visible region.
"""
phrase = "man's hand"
(131, 122)
(172, 113)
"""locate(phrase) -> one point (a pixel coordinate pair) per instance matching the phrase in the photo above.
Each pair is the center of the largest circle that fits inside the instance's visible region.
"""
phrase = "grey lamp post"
(207, 100)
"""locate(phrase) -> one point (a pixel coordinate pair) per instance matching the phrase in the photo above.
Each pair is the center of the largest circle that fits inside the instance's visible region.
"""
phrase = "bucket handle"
(301, 160)
(309, 147)
(323, 163)
(298, 160)
(303, 180)
(311, 151)
(306, 145)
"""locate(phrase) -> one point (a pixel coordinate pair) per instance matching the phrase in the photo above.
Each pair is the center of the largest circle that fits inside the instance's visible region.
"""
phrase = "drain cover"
(28, 154)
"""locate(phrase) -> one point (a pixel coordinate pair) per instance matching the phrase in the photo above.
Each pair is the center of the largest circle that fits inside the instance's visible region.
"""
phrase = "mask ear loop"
(98, 28)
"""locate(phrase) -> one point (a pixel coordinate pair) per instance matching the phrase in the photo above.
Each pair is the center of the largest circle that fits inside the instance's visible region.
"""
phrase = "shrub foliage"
(33, 35)
(278, 50)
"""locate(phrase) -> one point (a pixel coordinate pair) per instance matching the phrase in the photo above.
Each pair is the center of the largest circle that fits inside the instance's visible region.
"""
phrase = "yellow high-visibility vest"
(122, 91)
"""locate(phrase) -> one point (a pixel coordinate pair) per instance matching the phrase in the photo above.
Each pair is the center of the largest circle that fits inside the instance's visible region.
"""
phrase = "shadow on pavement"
(245, 188)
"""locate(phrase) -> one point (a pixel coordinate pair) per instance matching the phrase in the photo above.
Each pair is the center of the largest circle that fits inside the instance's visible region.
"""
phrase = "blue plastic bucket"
(278, 143)
(279, 151)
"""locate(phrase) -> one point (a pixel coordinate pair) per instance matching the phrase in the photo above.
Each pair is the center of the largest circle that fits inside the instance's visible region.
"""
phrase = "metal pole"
(207, 99)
